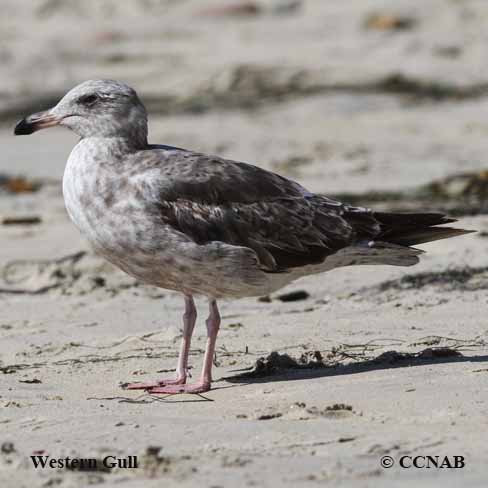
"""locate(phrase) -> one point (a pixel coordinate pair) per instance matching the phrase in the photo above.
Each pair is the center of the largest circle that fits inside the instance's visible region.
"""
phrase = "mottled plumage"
(201, 224)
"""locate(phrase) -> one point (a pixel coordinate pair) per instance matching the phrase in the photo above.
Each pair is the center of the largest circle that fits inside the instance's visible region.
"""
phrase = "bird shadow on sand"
(282, 367)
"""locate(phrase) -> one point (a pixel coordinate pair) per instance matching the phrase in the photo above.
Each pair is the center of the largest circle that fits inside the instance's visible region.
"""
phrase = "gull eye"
(88, 100)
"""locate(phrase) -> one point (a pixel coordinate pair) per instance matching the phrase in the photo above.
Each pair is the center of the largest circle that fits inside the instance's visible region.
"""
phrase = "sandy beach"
(384, 103)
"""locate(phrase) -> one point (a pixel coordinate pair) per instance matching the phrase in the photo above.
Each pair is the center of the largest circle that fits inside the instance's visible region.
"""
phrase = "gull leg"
(213, 324)
(189, 319)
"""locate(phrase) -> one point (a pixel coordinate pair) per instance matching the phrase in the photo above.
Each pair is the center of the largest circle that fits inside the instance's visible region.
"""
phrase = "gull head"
(95, 108)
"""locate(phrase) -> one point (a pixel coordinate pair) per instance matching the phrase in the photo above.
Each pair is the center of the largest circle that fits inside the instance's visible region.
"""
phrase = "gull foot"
(182, 388)
(153, 384)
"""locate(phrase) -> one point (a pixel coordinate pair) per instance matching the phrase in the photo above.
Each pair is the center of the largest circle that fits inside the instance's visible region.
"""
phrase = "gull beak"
(35, 122)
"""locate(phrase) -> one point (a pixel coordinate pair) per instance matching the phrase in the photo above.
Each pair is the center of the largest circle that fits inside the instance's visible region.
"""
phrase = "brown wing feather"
(281, 237)
(243, 205)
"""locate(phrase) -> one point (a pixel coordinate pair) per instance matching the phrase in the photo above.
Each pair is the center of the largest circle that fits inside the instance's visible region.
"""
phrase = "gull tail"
(409, 229)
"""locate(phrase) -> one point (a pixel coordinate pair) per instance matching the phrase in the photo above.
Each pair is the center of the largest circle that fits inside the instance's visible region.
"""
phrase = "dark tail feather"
(409, 229)
(428, 234)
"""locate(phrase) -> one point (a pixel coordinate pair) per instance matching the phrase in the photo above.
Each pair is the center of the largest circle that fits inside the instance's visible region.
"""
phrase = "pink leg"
(213, 324)
(189, 319)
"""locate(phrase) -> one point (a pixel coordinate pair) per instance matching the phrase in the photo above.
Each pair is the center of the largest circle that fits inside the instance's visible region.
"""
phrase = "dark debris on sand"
(463, 279)
(456, 195)
(276, 363)
(18, 184)
(391, 357)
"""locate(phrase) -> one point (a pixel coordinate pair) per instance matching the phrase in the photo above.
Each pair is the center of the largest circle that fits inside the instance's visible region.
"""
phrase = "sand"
(369, 362)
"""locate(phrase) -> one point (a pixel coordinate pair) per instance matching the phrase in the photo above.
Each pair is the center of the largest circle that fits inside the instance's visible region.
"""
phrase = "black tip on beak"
(35, 122)
(24, 128)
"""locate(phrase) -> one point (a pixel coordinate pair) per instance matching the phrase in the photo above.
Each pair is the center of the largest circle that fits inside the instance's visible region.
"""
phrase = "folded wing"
(211, 199)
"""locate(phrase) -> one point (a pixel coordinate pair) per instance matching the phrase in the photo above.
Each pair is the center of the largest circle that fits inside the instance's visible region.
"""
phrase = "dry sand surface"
(383, 101)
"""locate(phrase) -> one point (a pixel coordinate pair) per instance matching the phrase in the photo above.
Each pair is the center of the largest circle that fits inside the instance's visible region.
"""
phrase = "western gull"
(204, 225)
